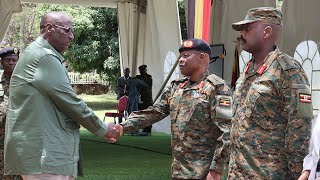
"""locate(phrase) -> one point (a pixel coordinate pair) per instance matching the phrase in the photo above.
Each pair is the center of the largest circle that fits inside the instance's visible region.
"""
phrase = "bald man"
(272, 108)
(44, 114)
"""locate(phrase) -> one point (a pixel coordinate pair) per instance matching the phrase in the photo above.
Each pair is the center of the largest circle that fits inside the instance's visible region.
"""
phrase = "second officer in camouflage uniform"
(272, 107)
(199, 106)
(9, 57)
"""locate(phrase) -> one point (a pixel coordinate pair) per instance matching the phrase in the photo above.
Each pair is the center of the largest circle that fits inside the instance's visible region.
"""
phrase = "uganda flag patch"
(224, 102)
(305, 98)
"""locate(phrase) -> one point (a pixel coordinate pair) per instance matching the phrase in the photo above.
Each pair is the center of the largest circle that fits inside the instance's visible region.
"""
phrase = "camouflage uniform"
(271, 122)
(4, 93)
(199, 114)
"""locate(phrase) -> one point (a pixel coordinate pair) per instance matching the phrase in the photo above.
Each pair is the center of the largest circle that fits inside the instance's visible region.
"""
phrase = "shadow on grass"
(131, 158)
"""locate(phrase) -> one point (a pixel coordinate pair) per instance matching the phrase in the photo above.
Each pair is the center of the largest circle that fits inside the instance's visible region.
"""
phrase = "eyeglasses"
(67, 30)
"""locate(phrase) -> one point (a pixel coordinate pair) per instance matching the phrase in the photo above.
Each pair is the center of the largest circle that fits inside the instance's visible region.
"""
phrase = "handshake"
(114, 132)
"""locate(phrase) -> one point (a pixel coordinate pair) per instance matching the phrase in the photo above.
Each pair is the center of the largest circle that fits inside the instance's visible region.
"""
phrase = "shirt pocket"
(266, 106)
(193, 110)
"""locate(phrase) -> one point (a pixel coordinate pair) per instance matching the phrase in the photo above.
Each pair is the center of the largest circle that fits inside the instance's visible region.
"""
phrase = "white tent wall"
(128, 19)
(223, 14)
(7, 8)
(162, 37)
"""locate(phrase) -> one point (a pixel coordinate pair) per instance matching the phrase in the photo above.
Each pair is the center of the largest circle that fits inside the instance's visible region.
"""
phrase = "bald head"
(51, 18)
(56, 28)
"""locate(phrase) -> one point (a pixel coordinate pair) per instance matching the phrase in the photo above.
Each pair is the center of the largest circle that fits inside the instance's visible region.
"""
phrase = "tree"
(22, 28)
(183, 23)
(95, 46)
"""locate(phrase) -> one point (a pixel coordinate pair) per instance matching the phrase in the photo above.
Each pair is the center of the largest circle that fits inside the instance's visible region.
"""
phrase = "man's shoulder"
(287, 62)
(215, 80)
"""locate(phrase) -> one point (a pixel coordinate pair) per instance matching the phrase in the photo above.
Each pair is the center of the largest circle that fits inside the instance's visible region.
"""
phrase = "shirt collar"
(40, 40)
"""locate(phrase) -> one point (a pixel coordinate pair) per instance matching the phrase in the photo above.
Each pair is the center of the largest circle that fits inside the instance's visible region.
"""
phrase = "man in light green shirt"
(44, 113)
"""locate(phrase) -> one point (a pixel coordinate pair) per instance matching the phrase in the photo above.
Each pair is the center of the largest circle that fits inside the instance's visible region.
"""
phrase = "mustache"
(240, 38)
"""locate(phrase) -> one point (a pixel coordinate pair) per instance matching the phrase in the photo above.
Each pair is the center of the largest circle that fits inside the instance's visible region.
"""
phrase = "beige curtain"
(7, 8)
(129, 19)
(223, 14)
(300, 22)
(162, 38)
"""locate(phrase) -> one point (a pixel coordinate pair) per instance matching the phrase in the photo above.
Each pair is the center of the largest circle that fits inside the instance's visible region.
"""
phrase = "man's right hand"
(114, 132)
(213, 175)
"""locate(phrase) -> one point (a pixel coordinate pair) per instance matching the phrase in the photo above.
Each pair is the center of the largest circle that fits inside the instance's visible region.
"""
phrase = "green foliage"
(23, 28)
(95, 46)
(183, 22)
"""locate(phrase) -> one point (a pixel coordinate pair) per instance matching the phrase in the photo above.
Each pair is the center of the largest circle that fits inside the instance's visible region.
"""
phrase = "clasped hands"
(114, 132)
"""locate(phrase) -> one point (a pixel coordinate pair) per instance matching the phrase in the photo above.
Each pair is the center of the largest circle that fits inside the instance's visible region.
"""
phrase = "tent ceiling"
(94, 3)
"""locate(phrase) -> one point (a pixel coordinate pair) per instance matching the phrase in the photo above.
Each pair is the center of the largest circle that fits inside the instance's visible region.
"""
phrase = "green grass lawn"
(101, 103)
(130, 158)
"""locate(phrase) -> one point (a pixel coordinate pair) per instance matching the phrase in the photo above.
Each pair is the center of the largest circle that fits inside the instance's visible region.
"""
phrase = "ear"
(267, 32)
(202, 56)
(49, 28)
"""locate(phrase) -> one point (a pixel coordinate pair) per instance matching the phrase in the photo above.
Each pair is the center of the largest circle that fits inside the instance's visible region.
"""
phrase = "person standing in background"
(145, 93)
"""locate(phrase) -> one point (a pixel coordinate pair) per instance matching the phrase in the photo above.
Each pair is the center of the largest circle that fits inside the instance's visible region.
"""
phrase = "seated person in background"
(123, 88)
(145, 92)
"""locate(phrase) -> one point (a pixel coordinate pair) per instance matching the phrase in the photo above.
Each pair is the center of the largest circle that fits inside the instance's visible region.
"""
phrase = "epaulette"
(215, 80)
(287, 62)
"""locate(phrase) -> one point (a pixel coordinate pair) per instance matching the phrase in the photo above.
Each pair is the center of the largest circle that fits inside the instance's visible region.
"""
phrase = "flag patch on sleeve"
(305, 98)
(224, 102)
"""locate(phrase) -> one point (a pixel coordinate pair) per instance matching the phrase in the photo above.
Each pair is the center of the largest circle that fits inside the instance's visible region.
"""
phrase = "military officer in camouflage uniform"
(272, 108)
(9, 57)
(199, 106)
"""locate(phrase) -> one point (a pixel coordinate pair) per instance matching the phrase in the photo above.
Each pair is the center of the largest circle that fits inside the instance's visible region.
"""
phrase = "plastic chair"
(122, 104)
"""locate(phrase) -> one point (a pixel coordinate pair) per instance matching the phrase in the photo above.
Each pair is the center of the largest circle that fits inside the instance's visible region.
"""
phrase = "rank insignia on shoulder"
(305, 98)
(224, 102)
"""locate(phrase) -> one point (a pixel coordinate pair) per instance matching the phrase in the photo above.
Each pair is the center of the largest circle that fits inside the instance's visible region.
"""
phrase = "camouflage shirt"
(271, 122)
(199, 114)
(4, 93)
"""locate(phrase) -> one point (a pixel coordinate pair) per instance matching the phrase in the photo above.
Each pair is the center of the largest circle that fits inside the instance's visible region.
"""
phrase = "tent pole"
(167, 79)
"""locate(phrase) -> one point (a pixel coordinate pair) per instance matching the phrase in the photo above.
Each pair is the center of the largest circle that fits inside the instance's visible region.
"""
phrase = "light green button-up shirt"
(44, 116)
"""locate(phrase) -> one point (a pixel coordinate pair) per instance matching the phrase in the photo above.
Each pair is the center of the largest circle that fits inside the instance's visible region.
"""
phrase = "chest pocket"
(189, 107)
(262, 97)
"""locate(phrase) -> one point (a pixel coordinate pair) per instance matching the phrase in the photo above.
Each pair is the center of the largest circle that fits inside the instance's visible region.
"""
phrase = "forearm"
(143, 118)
